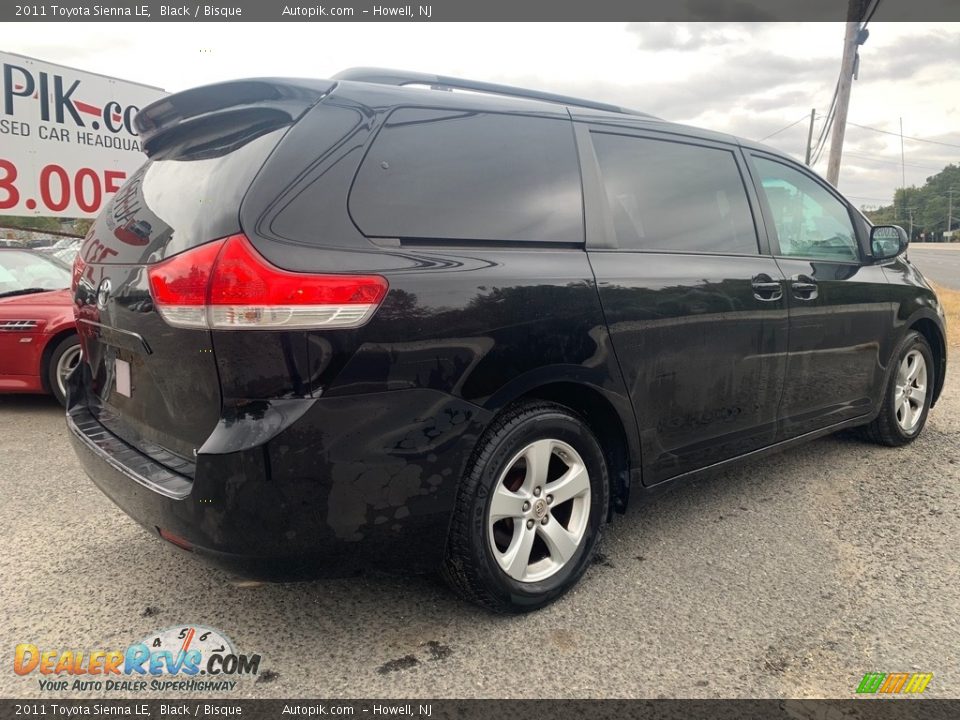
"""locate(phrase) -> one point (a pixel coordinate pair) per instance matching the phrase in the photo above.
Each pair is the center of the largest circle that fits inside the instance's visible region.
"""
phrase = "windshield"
(67, 253)
(22, 271)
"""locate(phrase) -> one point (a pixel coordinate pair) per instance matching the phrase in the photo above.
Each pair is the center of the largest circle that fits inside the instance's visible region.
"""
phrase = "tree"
(52, 225)
(82, 226)
(29, 222)
(928, 205)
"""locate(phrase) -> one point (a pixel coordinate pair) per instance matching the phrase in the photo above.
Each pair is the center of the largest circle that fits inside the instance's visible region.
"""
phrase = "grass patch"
(950, 299)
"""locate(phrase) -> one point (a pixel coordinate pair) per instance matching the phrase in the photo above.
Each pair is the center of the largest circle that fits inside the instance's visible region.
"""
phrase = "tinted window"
(470, 176)
(673, 196)
(179, 199)
(810, 221)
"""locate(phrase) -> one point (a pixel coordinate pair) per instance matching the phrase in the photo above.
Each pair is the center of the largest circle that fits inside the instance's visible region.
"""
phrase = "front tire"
(530, 511)
(907, 395)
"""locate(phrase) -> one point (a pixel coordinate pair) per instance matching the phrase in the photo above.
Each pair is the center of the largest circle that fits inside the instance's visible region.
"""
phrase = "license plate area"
(121, 375)
(121, 370)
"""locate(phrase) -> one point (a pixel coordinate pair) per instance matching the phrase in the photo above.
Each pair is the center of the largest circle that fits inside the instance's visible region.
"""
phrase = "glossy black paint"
(175, 401)
(840, 341)
(915, 306)
(299, 487)
(703, 358)
(314, 451)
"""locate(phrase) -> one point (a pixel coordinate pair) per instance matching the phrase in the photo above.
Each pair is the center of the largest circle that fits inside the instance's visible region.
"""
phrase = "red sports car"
(38, 340)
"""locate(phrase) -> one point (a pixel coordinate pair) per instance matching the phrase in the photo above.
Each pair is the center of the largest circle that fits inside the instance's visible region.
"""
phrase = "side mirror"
(887, 241)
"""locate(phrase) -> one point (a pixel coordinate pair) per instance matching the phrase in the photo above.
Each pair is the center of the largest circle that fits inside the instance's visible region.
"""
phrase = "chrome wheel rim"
(68, 361)
(539, 511)
(910, 394)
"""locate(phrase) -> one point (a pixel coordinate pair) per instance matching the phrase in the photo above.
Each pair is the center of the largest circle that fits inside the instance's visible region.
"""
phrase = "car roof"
(403, 78)
(385, 87)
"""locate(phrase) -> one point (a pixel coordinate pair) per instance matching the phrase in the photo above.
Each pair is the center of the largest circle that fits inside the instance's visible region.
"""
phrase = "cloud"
(763, 103)
(911, 56)
(725, 85)
(745, 78)
(686, 36)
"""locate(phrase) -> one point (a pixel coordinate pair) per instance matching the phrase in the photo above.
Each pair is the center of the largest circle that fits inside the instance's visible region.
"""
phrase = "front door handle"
(804, 287)
(765, 288)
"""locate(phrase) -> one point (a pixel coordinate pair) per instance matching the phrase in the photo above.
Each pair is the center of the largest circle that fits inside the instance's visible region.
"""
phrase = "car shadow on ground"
(751, 544)
(29, 403)
(683, 503)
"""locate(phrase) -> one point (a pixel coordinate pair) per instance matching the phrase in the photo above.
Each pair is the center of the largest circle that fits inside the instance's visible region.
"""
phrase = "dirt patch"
(404, 663)
(950, 299)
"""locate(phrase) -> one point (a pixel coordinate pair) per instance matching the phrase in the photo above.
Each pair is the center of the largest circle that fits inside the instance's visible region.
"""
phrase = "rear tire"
(906, 399)
(62, 361)
(530, 510)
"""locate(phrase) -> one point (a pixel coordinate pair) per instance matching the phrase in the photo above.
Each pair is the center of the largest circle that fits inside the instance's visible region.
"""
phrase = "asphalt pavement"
(786, 577)
(939, 262)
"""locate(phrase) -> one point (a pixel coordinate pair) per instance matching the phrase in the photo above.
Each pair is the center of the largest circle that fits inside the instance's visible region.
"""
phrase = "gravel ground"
(786, 577)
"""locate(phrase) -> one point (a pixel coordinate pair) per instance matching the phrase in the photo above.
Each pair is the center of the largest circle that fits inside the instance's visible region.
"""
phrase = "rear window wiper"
(23, 291)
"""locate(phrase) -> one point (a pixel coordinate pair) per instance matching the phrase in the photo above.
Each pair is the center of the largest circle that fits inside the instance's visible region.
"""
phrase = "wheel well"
(605, 423)
(931, 332)
(47, 352)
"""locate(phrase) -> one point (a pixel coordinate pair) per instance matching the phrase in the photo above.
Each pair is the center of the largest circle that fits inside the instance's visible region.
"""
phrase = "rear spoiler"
(273, 100)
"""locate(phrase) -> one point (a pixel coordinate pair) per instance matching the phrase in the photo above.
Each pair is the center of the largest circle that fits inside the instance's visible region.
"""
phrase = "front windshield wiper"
(24, 291)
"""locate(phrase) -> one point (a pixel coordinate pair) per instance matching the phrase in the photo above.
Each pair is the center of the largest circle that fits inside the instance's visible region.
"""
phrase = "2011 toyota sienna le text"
(364, 323)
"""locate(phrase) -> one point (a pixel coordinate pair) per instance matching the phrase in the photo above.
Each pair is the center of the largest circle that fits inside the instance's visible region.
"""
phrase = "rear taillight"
(228, 285)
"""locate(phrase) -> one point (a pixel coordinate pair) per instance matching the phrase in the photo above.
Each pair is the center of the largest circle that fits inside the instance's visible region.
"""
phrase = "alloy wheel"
(539, 512)
(910, 394)
(65, 365)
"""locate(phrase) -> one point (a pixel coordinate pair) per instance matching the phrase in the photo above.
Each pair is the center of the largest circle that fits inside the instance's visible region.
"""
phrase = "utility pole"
(813, 116)
(853, 38)
(903, 165)
(950, 209)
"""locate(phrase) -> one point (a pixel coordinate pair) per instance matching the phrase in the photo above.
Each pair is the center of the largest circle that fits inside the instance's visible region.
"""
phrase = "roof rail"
(384, 76)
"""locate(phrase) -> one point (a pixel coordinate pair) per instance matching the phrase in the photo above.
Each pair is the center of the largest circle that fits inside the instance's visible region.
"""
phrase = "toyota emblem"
(103, 294)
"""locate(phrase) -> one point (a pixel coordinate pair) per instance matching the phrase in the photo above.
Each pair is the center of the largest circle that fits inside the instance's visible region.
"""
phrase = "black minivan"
(403, 320)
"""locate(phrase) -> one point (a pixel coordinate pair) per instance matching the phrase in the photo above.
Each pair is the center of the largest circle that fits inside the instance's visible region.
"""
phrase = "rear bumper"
(99, 443)
(360, 481)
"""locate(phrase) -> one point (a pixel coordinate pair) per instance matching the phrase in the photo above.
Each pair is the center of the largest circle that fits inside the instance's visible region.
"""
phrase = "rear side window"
(440, 174)
(675, 197)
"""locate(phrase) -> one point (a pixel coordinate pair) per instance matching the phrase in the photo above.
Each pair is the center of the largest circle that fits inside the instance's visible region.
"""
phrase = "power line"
(825, 130)
(905, 137)
(828, 124)
(785, 127)
(892, 201)
(866, 20)
(891, 162)
(821, 142)
(862, 197)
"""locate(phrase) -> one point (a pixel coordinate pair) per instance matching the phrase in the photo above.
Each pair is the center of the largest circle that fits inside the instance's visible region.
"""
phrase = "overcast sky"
(749, 79)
